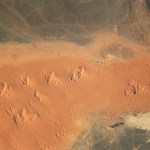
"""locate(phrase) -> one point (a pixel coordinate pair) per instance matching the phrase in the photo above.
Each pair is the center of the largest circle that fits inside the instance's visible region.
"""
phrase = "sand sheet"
(49, 92)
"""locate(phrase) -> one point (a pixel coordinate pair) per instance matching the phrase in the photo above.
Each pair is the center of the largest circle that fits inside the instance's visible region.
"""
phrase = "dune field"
(51, 91)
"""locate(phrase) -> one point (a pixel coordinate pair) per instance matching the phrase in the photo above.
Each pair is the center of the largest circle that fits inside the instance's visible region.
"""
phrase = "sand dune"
(5, 90)
(77, 74)
(47, 100)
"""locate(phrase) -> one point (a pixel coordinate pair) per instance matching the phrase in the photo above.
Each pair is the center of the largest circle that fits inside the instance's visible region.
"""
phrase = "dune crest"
(6, 89)
(136, 88)
(78, 73)
(22, 116)
(25, 80)
(40, 96)
(53, 80)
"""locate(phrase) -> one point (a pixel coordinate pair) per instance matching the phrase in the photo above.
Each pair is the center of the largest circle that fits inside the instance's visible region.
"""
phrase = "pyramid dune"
(25, 80)
(78, 73)
(5, 90)
(21, 117)
(40, 96)
(52, 79)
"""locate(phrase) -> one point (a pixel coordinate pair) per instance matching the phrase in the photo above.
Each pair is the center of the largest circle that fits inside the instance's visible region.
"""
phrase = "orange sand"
(47, 97)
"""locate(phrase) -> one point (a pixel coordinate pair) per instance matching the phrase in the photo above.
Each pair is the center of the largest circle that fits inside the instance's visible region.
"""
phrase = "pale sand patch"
(140, 120)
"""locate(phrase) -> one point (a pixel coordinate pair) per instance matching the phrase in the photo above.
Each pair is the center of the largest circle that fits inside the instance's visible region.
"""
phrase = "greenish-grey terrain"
(73, 20)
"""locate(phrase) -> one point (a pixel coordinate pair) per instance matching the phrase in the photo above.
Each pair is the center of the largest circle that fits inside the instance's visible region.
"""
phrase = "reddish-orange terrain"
(49, 92)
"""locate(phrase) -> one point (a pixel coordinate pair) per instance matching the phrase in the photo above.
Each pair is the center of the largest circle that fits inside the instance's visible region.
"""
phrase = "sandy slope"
(48, 97)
